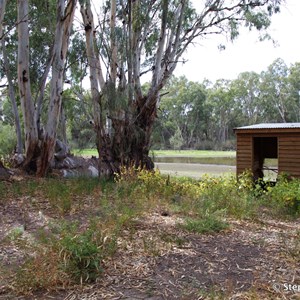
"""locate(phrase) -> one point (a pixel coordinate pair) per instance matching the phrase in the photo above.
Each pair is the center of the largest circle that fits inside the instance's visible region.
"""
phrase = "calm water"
(230, 161)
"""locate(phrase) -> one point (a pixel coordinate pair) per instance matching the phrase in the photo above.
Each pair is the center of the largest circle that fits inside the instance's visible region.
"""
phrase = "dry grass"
(86, 239)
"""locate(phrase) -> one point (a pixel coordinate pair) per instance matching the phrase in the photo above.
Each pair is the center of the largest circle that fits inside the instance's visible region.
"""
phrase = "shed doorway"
(261, 143)
(265, 158)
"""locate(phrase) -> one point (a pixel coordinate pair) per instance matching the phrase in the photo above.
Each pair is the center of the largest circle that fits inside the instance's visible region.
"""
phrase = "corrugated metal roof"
(270, 126)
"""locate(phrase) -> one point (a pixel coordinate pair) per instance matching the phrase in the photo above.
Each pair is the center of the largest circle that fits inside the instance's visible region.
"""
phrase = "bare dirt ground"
(157, 260)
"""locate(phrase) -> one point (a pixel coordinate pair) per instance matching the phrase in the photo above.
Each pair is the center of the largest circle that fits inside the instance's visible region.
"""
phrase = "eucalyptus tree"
(275, 93)
(183, 113)
(11, 91)
(65, 16)
(41, 26)
(22, 19)
(137, 38)
(31, 132)
(246, 93)
(39, 150)
(294, 89)
(223, 111)
(128, 41)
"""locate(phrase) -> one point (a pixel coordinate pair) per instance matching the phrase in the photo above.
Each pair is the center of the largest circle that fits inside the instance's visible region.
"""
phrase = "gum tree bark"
(31, 133)
(12, 96)
(141, 37)
(65, 15)
(98, 85)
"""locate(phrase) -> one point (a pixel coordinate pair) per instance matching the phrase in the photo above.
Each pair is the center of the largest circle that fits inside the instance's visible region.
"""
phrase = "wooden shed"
(257, 142)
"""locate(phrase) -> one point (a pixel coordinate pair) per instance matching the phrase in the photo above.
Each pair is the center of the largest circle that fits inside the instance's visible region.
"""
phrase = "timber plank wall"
(244, 153)
(289, 154)
(288, 149)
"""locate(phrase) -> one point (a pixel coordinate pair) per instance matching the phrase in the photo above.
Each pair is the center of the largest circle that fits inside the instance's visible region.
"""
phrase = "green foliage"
(15, 233)
(183, 114)
(42, 21)
(81, 253)
(285, 196)
(176, 140)
(206, 223)
(210, 194)
(187, 107)
(77, 57)
(78, 111)
(275, 88)
(227, 195)
(59, 195)
(7, 140)
(259, 20)
(64, 253)
(6, 111)
(206, 113)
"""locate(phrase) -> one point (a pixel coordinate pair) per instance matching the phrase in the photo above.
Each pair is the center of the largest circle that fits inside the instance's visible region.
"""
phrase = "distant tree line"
(191, 115)
(196, 115)
(49, 48)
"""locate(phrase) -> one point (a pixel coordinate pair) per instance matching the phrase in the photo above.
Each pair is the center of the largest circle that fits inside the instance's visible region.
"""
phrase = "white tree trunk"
(96, 81)
(65, 16)
(12, 97)
(113, 45)
(19, 148)
(31, 134)
(96, 77)
(41, 93)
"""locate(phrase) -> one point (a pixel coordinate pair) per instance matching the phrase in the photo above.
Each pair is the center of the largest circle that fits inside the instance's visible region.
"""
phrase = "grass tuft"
(208, 223)
(66, 252)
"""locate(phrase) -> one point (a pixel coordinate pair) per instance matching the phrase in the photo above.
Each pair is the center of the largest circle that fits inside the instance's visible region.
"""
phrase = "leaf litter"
(157, 259)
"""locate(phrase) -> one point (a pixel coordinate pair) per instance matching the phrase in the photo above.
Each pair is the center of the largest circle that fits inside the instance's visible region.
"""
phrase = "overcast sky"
(246, 53)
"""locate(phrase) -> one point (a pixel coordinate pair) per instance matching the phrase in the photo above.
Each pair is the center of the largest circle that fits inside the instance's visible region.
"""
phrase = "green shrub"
(8, 140)
(81, 255)
(59, 195)
(84, 185)
(284, 197)
(226, 194)
(64, 255)
(206, 223)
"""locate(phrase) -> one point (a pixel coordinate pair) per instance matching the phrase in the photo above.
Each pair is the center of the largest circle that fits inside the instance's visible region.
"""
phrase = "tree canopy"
(117, 44)
(204, 114)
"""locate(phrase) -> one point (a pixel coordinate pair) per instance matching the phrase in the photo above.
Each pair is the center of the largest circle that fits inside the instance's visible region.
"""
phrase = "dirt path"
(242, 263)
(157, 260)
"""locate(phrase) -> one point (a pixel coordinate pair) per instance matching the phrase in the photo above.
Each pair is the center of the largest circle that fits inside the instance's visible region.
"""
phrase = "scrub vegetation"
(65, 233)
